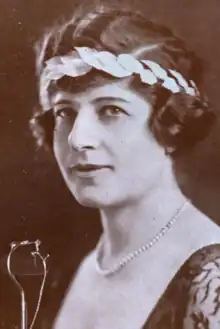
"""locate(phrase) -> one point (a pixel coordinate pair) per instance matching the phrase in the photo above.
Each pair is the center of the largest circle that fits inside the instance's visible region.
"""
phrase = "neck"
(127, 227)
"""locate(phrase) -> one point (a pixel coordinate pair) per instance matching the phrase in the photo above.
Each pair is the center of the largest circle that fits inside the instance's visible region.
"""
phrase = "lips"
(89, 167)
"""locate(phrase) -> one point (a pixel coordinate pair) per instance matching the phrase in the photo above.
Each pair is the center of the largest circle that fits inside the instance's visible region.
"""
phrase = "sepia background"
(34, 203)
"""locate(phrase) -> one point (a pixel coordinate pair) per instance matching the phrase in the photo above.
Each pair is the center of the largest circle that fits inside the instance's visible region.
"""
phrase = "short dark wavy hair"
(178, 121)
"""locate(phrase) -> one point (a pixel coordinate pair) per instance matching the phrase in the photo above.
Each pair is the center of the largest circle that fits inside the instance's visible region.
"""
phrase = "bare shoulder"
(203, 229)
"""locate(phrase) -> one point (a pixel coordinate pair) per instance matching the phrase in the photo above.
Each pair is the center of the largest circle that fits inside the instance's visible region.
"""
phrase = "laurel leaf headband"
(83, 59)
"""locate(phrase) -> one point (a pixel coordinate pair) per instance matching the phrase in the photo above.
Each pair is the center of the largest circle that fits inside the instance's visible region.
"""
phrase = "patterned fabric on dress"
(192, 299)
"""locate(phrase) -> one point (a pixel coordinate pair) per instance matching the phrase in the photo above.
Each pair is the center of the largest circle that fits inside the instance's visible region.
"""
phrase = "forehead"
(114, 90)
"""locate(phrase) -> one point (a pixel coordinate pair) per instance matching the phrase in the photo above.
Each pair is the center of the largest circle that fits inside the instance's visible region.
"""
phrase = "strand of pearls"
(136, 253)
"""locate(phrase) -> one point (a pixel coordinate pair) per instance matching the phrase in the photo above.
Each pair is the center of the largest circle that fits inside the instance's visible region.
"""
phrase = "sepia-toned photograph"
(110, 164)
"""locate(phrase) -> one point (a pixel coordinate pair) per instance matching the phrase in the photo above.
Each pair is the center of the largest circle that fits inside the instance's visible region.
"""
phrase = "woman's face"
(103, 146)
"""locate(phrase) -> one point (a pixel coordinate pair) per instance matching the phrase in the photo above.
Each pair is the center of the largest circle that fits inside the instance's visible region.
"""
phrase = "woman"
(121, 100)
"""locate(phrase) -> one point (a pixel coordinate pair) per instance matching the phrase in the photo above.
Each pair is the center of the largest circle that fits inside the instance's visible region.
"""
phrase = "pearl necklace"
(134, 254)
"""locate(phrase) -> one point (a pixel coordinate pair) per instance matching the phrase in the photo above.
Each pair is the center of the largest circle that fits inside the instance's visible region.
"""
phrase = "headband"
(83, 59)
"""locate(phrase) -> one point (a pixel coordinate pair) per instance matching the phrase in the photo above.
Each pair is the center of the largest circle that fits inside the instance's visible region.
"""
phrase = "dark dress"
(192, 295)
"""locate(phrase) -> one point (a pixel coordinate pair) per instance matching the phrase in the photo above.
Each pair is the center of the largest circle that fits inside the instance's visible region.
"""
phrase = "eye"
(112, 111)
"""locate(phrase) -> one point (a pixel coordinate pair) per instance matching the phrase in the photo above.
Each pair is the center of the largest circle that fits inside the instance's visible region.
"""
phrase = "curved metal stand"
(24, 312)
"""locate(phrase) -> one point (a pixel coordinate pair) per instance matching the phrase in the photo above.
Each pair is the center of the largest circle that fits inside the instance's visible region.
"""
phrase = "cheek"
(133, 145)
(138, 154)
(60, 145)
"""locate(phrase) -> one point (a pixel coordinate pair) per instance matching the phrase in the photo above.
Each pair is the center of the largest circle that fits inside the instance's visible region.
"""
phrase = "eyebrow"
(64, 101)
(110, 98)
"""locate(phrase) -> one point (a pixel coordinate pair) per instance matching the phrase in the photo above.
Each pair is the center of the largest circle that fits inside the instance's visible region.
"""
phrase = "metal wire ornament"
(43, 259)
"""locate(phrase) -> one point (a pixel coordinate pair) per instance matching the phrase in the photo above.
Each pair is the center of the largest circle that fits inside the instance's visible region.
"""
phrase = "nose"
(84, 133)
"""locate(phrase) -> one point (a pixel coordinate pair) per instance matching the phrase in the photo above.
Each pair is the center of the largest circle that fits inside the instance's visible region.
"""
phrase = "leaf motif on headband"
(52, 62)
(148, 77)
(69, 66)
(83, 59)
(130, 63)
(53, 75)
(103, 61)
(182, 82)
(111, 65)
(156, 69)
(87, 55)
(171, 84)
(105, 57)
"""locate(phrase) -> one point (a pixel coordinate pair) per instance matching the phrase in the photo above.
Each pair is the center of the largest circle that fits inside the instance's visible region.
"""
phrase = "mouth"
(88, 168)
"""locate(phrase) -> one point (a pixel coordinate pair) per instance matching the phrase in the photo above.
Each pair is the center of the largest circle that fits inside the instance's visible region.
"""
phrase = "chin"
(88, 203)
(94, 198)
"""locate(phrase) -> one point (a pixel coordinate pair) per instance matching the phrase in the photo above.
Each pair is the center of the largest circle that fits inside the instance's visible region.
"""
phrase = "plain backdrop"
(34, 202)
